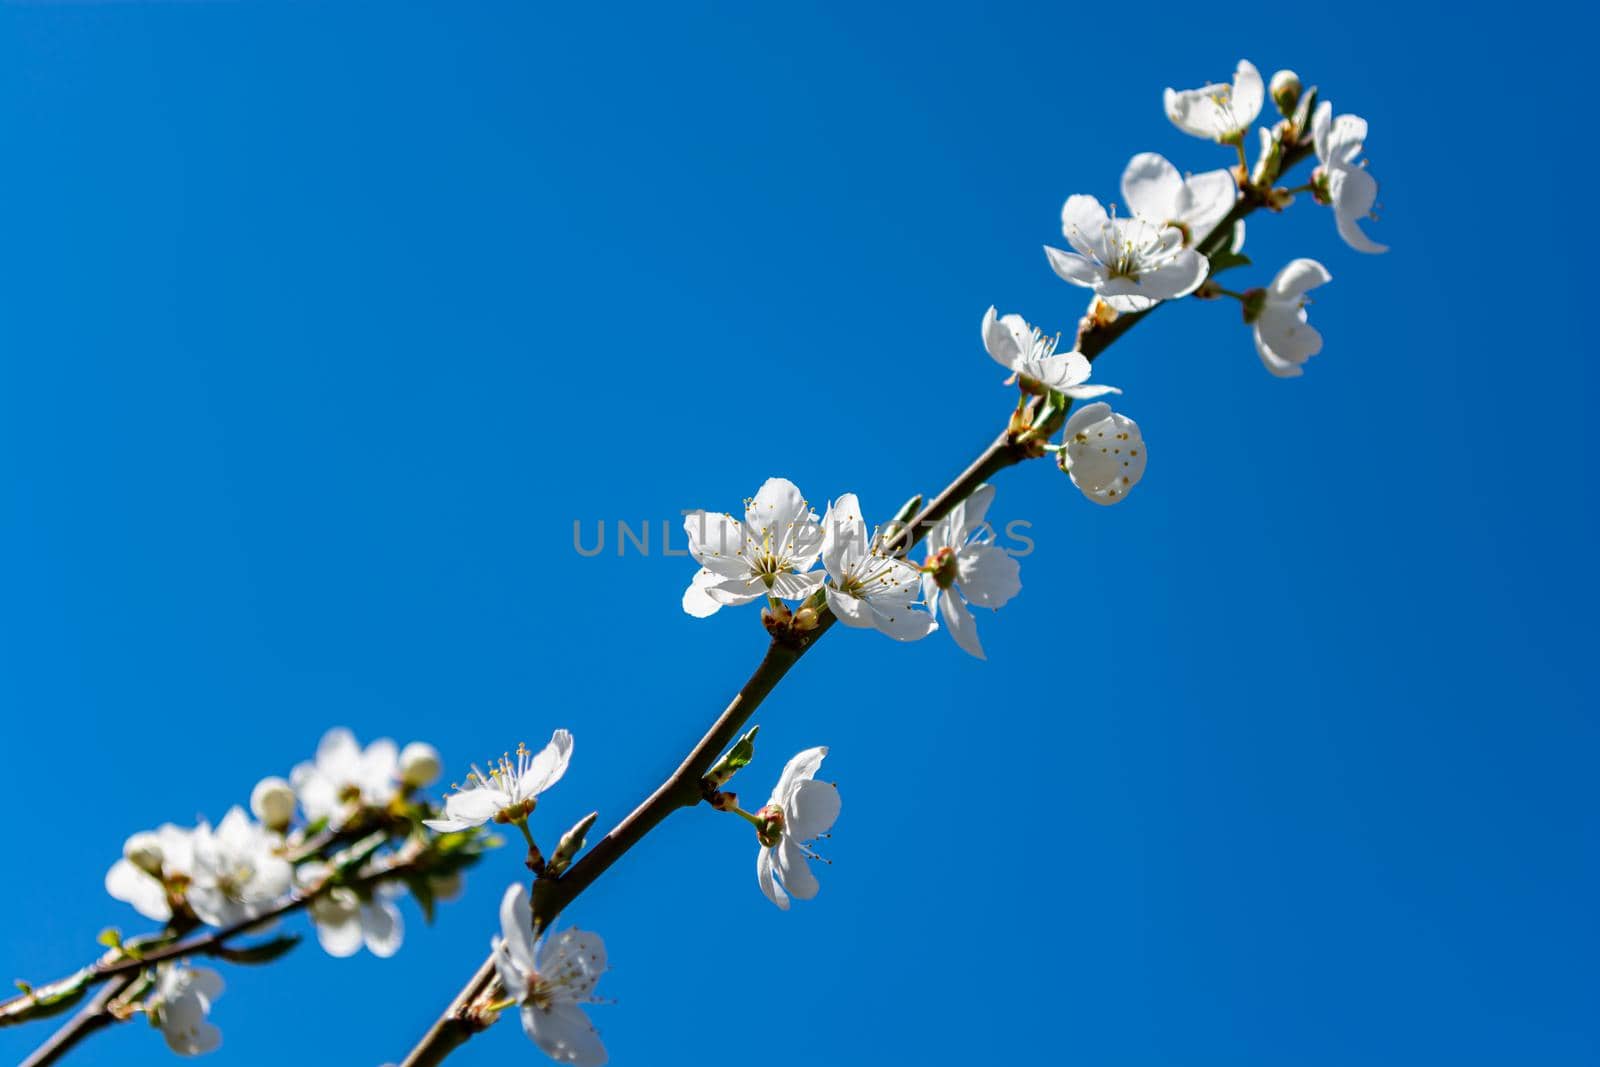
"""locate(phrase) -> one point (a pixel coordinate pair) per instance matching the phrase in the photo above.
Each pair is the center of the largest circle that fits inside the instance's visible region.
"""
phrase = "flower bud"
(273, 803)
(571, 844)
(1285, 90)
(419, 764)
(143, 850)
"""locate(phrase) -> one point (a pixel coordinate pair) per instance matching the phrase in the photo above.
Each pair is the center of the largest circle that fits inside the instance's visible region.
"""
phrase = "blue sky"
(321, 325)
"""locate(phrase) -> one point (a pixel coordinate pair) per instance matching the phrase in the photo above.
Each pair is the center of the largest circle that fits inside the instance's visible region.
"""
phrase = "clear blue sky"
(319, 326)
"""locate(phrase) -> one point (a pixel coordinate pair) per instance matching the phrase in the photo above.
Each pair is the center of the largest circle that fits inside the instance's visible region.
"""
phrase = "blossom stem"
(682, 789)
(535, 857)
(745, 815)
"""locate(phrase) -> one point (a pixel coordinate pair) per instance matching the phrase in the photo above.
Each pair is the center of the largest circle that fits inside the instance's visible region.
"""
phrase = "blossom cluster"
(342, 837)
(773, 553)
(351, 830)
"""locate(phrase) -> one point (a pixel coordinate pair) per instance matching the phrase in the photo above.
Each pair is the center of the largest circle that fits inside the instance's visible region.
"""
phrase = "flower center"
(943, 567)
(770, 832)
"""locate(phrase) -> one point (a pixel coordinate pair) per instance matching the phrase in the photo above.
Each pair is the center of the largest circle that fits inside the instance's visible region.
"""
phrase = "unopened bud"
(419, 764)
(273, 803)
(571, 844)
(1285, 90)
(143, 850)
(1270, 161)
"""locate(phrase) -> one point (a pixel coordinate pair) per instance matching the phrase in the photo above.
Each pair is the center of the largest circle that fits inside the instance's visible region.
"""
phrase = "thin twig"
(93, 1016)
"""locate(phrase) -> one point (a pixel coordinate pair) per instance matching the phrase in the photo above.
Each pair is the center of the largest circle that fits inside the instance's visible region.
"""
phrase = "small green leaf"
(262, 952)
(736, 758)
(1226, 260)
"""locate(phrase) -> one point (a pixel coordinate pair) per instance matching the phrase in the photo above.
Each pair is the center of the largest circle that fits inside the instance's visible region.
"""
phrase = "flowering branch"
(1039, 415)
(1181, 232)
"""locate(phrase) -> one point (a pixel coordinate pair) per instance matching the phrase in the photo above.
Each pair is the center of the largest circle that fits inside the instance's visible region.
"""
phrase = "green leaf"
(737, 758)
(262, 952)
(421, 887)
(1226, 260)
(110, 937)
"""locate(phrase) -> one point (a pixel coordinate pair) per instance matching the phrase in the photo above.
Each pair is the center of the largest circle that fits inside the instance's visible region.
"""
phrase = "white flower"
(1342, 180)
(1028, 353)
(800, 810)
(1218, 112)
(1132, 263)
(180, 1004)
(344, 779)
(1103, 453)
(272, 801)
(962, 556)
(419, 765)
(151, 862)
(1284, 339)
(1153, 188)
(238, 873)
(868, 588)
(508, 792)
(768, 553)
(345, 921)
(551, 978)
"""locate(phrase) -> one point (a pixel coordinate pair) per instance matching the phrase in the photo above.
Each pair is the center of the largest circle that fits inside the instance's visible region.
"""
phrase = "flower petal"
(1071, 267)
(802, 767)
(962, 626)
(564, 1033)
(549, 765)
(382, 928)
(794, 871)
(1298, 277)
(776, 509)
(696, 600)
(717, 541)
(811, 810)
(1206, 199)
(988, 575)
(1152, 187)
(516, 927)
(765, 880)
(131, 885)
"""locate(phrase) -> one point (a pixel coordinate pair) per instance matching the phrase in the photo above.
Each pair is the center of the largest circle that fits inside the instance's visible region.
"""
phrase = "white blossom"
(344, 778)
(965, 567)
(179, 1005)
(551, 978)
(1103, 453)
(800, 810)
(868, 588)
(238, 871)
(767, 554)
(508, 791)
(1132, 263)
(1219, 113)
(419, 765)
(154, 865)
(272, 801)
(345, 920)
(1153, 188)
(1342, 178)
(1284, 339)
(1028, 353)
